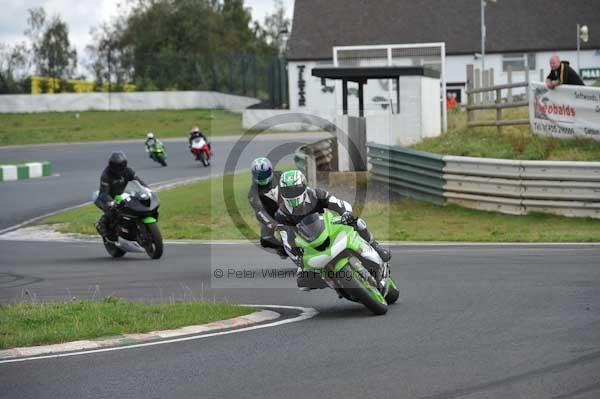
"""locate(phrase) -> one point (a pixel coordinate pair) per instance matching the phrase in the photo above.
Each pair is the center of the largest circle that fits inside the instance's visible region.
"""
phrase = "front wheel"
(163, 162)
(153, 241)
(361, 290)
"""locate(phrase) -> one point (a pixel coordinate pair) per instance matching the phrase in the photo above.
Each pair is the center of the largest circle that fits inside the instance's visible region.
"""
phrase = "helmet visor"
(118, 168)
(293, 191)
(295, 201)
(263, 177)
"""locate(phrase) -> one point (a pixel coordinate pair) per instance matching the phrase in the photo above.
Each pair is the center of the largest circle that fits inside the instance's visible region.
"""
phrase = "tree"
(14, 68)
(110, 61)
(277, 26)
(52, 51)
(188, 45)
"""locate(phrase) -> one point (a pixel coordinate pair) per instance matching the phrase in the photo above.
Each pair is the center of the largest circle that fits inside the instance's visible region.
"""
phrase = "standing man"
(561, 73)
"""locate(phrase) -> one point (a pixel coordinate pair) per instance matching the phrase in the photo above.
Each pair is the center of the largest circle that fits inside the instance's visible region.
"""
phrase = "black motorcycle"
(136, 223)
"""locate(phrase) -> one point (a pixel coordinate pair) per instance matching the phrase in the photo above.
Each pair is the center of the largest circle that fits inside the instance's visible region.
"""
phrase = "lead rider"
(113, 182)
(298, 200)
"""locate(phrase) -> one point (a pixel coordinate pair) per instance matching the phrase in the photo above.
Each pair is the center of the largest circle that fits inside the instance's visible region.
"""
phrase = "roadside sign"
(589, 73)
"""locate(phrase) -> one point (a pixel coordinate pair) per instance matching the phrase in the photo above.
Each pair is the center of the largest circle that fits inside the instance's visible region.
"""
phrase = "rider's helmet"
(117, 163)
(195, 129)
(150, 135)
(292, 187)
(262, 171)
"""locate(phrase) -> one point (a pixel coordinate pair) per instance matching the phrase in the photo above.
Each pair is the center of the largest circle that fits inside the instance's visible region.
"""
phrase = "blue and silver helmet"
(262, 171)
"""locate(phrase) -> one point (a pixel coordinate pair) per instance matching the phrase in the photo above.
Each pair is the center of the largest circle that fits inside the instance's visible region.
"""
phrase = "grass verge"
(514, 142)
(199, 211)
(28, 324)
(64, 127)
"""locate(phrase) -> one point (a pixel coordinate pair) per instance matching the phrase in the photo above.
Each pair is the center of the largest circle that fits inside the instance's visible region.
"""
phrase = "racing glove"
(348, 218)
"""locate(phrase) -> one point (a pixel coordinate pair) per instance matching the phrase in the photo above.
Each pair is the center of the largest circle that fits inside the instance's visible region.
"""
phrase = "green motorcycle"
(337, 257)
(158, 153)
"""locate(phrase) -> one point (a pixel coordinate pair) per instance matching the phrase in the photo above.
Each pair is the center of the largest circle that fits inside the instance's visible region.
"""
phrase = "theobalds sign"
(590, 73)
(565, 111)
(301, 86)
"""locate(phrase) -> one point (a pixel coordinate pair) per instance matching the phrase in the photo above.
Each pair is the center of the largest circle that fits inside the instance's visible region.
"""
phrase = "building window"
(517, 61)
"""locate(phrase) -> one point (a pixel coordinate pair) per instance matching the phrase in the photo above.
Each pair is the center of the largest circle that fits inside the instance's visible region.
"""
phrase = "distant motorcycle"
(201, 150)
(136, 223)
(158, 153)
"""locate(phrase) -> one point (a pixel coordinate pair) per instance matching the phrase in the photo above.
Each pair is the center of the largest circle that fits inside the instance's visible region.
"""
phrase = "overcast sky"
(82, 15)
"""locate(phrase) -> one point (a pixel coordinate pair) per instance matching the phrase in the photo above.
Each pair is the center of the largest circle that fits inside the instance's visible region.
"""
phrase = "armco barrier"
(28, 170)
(507, 186)
(408, 172)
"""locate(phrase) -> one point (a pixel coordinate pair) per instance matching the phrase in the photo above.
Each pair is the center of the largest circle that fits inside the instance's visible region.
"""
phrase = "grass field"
(199, 211)
(63, 127)
(514, 142)
(28, 324)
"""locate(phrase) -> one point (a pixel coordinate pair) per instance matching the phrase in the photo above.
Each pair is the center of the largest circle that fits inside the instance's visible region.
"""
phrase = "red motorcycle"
(201, 150)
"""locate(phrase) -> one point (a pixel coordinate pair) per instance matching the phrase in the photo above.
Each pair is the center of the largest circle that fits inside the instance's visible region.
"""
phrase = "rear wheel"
(153, 242)
(361, 290)
(163, 162)
(113, 250)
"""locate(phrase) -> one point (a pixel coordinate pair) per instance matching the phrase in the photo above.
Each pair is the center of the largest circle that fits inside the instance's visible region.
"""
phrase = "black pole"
(398, 95)
(345, 97)
(361, 100)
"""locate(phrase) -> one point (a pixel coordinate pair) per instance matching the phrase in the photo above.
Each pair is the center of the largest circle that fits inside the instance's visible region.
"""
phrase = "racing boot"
(302, 280)
(383, 253)
(282, 254)
(309, 280)
(103, 228)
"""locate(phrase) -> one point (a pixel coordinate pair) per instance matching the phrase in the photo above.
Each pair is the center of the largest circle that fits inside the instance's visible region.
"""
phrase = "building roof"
(512, 25)
(362, 74)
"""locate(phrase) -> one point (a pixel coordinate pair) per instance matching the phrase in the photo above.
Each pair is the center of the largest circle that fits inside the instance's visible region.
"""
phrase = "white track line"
(307, 313)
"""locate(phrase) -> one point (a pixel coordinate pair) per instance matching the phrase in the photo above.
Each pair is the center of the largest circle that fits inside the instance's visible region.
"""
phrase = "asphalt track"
(499, 322)
(472, 322)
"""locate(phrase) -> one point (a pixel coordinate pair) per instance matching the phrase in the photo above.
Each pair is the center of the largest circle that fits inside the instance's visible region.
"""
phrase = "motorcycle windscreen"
(134, 187)
(141, 199)
(311, 227)
(198, 143)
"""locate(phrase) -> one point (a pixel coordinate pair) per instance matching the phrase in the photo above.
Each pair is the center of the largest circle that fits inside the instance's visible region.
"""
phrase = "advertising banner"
(565, 111)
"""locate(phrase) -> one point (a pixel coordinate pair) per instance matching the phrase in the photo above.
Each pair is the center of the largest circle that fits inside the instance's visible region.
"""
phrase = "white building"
(516, 30)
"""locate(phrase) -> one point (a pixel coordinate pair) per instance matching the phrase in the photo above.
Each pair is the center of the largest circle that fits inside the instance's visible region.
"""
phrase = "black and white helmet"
(293, 188)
